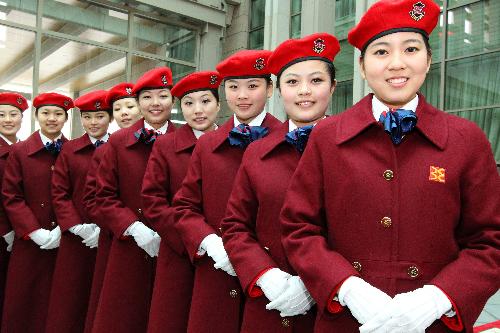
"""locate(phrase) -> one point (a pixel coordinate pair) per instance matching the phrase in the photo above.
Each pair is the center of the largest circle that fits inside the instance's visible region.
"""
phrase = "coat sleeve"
(118, 217)
(477, 234)
(247, 255)
(62, 192)
(188, 206)
(90, 186)
(155, 194)
(19, 213)
(5, 226)
(304, 229)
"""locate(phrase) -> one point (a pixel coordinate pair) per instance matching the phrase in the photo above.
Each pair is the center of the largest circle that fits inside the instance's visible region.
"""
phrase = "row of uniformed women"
(407, 212)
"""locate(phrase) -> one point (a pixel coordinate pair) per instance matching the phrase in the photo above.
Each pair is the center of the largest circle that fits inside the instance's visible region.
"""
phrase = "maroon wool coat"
(75, 262)
(105, 237)
(252, 234)
(26, 190)
(442, 233)
(173, 287)
(200, 205)
(128, 282)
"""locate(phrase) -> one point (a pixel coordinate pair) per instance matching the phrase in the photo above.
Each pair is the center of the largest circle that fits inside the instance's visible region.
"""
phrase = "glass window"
(344, 62)
(431, 86)
(295, 19)
(473, 28)
(345, 14)
(435, 40)
(342, 97)
(473, 82)
(19, 11)
(85, 20)
(257, 18)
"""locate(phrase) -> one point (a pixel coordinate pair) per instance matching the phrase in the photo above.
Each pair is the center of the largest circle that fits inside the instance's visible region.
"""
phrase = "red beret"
(157, 78)
(53, 99)
(93, 101)
(319, 46)
(121, 90)
(246, 63)
(14, 99)
(388, 16)
(195, 82)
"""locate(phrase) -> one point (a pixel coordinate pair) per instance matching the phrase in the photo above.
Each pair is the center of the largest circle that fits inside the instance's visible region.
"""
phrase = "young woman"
(12, 106)
(125, 112)
(306, 81)
(167, 166)
(395, 201)
(76, 256)
(201, 201)
(128, 282)
(28, 204)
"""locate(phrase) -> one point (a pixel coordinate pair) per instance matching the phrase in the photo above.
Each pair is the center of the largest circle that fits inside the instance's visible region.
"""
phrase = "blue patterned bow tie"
(298, 137)
(54, 147)
(99, 143)
(148, 136)
(397, 123)
(242, 135)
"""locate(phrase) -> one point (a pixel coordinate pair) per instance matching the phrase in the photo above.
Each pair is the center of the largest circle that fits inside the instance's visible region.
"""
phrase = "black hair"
(36, 111)
(330, 67)
(215, 93)
(424, 37)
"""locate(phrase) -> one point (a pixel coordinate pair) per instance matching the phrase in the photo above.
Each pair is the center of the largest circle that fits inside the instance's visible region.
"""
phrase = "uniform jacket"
(422, 212)
(26, 190)
(173, 287)
(200, 205)
(128, 282)
(252, 233)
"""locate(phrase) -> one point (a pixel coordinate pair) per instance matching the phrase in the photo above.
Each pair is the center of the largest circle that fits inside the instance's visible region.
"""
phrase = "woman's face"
(10, 120)
(200, 110)
(95, 123)
(247, 97)
(306, 89)
(156, 106)
(51, 120)
(126, 112)
(395, 67)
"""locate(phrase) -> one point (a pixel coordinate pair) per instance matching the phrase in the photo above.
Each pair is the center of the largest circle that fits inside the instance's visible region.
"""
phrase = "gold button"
(233, 293)
(388, 174)
(386, 222)
(42, 205)
(413, 271)
(53, 223)
(357, 266)
(285, 322)
(139, 210)
(52, 167)
(266, 248)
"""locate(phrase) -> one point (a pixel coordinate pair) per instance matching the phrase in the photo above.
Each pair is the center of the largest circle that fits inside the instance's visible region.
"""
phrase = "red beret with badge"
(195, 82)
(93, 102)
(389, 16)
(53, 99)
(245, 64)
(318, 46)
(14, 99)
(157, 78)
(121, 90)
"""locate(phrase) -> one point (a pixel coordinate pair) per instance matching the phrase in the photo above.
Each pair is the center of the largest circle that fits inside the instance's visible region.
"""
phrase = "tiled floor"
(491, 311)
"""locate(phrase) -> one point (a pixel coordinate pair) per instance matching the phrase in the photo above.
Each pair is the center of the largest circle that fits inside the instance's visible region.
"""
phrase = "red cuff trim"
(253, 290)
(27, 237)
(453, 323)
(197, 256)
(334, 306)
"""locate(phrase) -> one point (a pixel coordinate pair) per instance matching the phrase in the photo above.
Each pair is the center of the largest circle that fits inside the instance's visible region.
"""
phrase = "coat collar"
(137, 126)
(275, 139)
(431, 123)
(34, 144)
(82, 142)
(184, 138)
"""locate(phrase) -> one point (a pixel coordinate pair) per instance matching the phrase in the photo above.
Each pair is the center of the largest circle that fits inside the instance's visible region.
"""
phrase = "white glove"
(295, 300)
(363, 299)
(40, 236)
(54, 239)
(83, 230)
(144, 237)
(273, 283)
(213, 246)
(92, 240)
(153, 247)
(9, 239)
(411, 312)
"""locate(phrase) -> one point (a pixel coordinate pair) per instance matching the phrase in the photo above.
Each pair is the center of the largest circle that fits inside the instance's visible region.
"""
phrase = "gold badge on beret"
(319, 45)
(213, 79)
(417, 11)
(128, 90)
(19, 100)
(259, 64)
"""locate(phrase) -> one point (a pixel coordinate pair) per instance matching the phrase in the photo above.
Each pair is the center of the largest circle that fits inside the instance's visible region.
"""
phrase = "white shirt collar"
(104, 138)
(198, 134)
(257, 121)
(378, 107)
(7, 140)
(292, 126)
(46, 140)
(161, 130)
